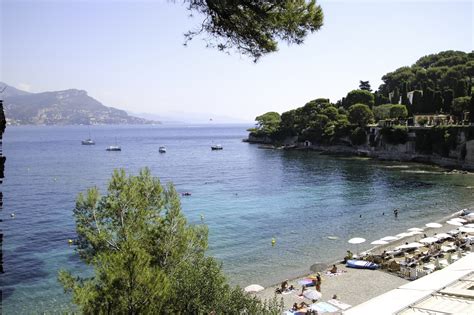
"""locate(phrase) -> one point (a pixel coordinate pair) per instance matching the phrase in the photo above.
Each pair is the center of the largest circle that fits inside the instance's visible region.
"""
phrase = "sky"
(130, 54)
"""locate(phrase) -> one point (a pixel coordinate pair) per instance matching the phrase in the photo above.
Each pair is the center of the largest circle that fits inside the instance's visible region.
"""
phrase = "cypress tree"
(405, 100)
(438, 102)
(448, 97)
(396, 97)
(417, 102)
(428, 97)
(461, 89)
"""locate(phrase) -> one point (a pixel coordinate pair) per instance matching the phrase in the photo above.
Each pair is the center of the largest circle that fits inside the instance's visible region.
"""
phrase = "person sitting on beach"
(333, 269)
(284, 285)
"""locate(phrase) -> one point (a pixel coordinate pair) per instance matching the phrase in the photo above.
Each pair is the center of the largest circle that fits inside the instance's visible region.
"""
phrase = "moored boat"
(162, 150)
(113, 148)
(361, 264)
(217, 147)
(88, 142)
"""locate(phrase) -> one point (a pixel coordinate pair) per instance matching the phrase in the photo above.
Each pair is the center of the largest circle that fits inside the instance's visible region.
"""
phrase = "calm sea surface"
(247, 196)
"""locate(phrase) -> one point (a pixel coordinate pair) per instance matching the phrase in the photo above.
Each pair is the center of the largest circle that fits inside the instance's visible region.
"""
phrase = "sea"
(310, 204)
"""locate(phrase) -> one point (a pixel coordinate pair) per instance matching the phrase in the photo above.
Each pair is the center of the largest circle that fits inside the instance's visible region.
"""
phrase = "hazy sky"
(129, 54)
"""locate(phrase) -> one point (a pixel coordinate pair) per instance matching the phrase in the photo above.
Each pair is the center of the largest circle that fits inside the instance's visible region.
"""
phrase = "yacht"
(217, 147)
(162, 149)
(113, 148)
(88, 142)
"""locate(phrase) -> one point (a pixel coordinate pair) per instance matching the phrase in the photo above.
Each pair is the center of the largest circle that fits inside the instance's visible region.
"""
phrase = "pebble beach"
(354, 286)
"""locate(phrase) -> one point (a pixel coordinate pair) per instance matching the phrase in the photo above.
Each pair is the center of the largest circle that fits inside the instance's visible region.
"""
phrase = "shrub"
(358, 136)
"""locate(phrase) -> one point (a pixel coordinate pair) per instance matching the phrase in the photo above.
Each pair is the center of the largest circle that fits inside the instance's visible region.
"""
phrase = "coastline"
(396, 153)
(354, 286)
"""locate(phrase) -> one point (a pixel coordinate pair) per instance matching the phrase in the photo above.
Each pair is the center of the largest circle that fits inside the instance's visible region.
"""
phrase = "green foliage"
(461, 104)
(365, 85)
(471, 110)
(395, 99)
(360, 114)
(448, 97)
(438, 102)
(422, 121)
(398, 111)
(359, 96)
(461, 89)
(267, 124)
(146, 258)
(358, 136)
(417, 102)
(395, 135)
(254, 27)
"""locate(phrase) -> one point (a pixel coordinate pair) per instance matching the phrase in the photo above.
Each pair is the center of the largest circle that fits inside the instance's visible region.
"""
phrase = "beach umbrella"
(402, 235)
(466, 229)
(379, 242)
(357, 240)
(253, 288)
(459, 220)
(442, 236)
(317, 267)
(433, 225)
(312, 294)
(429, 240)
(389, 238)
(456, 223)
(453, 232)
(471, 225)
(411, 245)
(415, 230)
(415, 233)
(470, 214)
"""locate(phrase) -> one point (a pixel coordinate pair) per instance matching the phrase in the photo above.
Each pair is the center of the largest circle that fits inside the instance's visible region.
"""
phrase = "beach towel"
(288, 291)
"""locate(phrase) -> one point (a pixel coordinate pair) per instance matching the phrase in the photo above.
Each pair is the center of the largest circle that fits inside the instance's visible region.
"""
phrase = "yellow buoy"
(70, 242)
(273, 241)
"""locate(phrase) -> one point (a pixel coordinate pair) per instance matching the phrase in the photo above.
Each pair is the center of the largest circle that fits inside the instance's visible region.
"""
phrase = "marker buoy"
(70, 242)
(12, 215)
(273, 241)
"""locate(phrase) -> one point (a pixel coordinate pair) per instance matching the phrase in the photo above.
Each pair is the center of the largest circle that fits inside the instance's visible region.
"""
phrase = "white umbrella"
(254, 288)
(357, 240)
(312, 294)
(456, 223)
(379, 242)
(389, 238)
(415, 233)
(429, 240)
(442, 236)
(402, 235)
(415, 230)
(459, 220)
(411, 245)
(433, 225)
(466, 229)
(470, 214)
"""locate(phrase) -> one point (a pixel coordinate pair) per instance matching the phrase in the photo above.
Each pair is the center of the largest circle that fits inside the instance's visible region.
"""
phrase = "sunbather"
(333, 269)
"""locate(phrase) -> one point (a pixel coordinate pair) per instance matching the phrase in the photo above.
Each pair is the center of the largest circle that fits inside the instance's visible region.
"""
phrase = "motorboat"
(88, 142)
(217, 147)
(162, 150)
(114, 148)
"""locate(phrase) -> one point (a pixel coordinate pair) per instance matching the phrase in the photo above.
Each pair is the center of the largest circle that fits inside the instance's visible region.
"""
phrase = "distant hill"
(68, 107)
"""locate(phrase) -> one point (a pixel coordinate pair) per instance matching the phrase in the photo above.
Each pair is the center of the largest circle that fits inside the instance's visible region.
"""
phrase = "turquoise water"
(247, 196)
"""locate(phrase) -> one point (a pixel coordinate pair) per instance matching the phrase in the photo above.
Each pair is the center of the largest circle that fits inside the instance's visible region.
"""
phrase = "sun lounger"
(361, 264)
(323, 307)
(339, 304)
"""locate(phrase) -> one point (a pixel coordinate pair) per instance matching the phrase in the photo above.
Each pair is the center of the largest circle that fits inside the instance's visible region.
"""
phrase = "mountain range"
(68, 107)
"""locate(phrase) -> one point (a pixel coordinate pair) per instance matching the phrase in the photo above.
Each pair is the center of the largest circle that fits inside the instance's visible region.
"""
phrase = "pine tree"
(461, 89)
(417, 102)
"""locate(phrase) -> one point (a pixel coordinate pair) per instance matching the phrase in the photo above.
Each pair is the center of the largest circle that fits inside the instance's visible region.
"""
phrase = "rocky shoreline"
(389, 153)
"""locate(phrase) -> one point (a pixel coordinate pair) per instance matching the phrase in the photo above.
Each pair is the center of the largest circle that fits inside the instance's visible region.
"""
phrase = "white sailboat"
(89, 140)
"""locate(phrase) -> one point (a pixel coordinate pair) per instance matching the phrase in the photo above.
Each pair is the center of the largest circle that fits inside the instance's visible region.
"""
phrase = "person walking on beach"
(318, 282)
(395, 212)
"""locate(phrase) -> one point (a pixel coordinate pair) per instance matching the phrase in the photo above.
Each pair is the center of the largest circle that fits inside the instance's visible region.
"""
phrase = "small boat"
(217, 147)
(162, 150)
(113, 148)
(88, 142)
(361, 264)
